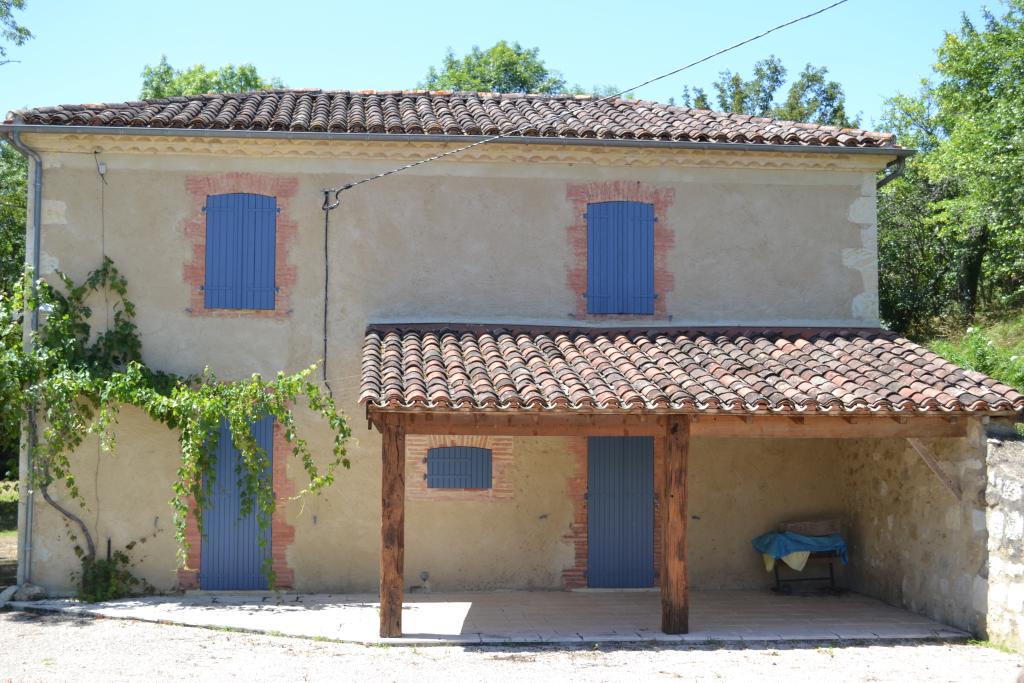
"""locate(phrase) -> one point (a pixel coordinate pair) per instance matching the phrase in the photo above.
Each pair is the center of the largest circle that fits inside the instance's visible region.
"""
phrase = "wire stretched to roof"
(329, 205)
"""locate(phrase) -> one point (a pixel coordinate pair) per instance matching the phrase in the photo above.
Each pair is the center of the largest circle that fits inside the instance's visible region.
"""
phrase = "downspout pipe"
(35, 210)
(894, 171)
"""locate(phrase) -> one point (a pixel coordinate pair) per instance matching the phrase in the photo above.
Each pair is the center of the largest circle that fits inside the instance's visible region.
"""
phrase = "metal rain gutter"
(25, 547)
(119, 131)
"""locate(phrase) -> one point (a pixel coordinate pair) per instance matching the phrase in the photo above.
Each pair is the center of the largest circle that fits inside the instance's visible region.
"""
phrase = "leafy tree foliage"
(951, 231)
(163, 80)
(13, 172)
(810, 98)
(10, 30)
(502, 67)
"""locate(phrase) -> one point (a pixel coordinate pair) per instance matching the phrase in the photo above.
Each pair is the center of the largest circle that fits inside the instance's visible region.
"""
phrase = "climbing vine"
(76, 380)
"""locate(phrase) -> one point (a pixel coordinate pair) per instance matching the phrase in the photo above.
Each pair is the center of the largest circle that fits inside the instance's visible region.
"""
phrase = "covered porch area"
(668, 386)
(669, 607)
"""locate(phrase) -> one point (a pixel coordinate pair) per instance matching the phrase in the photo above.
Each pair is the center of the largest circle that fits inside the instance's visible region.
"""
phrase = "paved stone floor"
(531, 617)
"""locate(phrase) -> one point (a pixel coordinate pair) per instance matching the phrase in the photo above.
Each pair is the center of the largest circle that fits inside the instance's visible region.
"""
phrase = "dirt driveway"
(68, 648)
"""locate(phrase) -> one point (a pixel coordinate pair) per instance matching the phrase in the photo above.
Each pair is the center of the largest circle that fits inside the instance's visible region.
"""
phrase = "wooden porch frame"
(675, 432)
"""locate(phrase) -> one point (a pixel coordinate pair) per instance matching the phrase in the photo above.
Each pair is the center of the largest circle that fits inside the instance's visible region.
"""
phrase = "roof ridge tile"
(527, 115)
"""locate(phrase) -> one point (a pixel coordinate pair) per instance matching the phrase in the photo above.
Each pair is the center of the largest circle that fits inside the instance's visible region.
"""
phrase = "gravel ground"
(56, 648)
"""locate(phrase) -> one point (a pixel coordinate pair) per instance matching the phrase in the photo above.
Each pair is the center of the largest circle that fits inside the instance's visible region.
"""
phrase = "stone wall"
(1005, 516)
(912, 543)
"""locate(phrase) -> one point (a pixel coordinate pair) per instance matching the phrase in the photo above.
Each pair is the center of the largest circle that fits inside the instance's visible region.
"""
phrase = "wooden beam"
(821, 427)
(653, 424)
(675, 601)
(392, 526)
(934, 466)
(537, 424)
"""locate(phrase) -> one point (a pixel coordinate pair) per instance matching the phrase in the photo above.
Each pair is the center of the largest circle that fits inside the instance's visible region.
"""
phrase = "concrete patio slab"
(528, 617)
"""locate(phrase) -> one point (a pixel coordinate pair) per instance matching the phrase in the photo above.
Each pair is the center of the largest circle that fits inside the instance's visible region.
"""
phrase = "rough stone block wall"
(913, 544)
(1005, 516)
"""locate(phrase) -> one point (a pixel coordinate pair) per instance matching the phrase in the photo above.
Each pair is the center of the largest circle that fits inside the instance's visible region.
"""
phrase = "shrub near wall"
(8, 505)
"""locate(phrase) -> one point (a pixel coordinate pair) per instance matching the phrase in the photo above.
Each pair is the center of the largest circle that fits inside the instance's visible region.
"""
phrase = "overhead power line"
(336, 191)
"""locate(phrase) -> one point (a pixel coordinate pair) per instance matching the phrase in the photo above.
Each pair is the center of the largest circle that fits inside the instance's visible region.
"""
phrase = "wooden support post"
(675, 599)
(392, 526)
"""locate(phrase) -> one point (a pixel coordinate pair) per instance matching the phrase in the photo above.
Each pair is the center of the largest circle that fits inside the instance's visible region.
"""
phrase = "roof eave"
(448, 139)
(379, 406)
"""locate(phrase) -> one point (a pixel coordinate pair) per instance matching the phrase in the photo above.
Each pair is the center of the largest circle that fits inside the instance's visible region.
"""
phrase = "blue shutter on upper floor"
(241, 245)
(620, 258)
(459, 467)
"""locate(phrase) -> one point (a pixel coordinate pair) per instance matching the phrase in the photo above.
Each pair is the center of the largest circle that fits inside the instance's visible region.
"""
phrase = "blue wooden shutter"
(241, 244)
(459, 467)
(620, 512)
(620, 258)
(231, 557)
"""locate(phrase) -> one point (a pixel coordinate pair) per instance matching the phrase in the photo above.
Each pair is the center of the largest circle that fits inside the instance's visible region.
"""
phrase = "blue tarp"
(781, 543)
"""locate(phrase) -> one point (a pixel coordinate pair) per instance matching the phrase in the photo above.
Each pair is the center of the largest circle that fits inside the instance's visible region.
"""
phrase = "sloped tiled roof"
(732, 371)
(420, 112)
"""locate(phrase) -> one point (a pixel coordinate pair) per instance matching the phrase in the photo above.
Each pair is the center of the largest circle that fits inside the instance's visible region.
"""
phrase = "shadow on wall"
(912, 543)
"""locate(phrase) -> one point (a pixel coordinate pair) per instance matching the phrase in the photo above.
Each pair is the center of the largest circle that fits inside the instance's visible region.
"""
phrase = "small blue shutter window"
(241, 244)
(620, 258)
(459, 467)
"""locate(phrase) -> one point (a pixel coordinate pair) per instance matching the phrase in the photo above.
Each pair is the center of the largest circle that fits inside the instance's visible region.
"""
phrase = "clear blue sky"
(95, 51)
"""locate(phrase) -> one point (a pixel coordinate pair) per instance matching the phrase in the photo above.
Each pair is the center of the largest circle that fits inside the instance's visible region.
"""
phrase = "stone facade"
(1004, 498)
(914, 544)
(795, 234)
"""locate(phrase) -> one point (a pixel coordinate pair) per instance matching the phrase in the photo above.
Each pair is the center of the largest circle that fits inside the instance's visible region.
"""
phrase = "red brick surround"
(576, 489)
(282, 534)
(284, 190)
(575, 576)
(664, 239)
(188, 576)
(416, 447)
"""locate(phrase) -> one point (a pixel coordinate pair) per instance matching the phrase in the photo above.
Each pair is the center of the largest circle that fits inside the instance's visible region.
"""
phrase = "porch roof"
(712, 370)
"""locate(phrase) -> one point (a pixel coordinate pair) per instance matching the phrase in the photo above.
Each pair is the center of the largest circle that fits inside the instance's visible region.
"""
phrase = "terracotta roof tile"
(420, 112)
(745, 371)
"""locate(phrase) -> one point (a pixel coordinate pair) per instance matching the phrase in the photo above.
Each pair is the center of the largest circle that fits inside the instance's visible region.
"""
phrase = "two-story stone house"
(606, 350)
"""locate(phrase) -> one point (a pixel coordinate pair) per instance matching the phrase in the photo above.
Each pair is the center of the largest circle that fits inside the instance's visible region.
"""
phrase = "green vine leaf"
(77, 381)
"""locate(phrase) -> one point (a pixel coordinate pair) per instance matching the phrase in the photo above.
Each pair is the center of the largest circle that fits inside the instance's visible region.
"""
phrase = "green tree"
(813, 98)
(503, 67)
(10, 30)
(810, 98)
(163, 80)
(13, 174)
(13, 171)
(980, 98)
(951, 231)
(917, 255)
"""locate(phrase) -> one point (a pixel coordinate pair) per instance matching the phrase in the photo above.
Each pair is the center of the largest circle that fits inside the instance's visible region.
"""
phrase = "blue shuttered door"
(620, 508)
(231, 557)
(620, 258)
(241, 243)
(459, 467)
